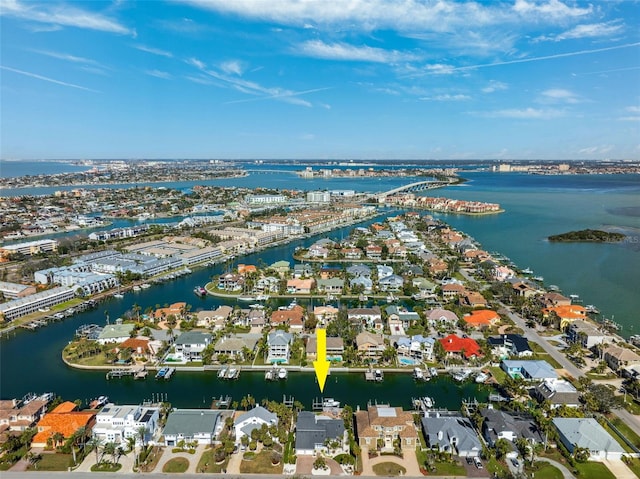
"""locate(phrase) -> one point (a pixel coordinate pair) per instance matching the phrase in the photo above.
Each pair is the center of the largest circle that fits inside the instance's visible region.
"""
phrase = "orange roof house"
(246, 269)
(64, 419)
(176, 309)
(481, 317)
(466, 347)
(567, 314)
(286, 316)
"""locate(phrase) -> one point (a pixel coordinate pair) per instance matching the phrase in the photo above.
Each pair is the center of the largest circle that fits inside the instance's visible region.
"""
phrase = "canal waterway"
(606, 275)
(31, 361)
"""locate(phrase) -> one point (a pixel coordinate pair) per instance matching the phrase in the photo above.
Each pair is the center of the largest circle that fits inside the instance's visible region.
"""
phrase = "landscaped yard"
(594, 470)
(544, 470)
(208, 463)
(388, 469)
(449, 469)
(634, 465)
(52, 462)
(175, 465)
(260, 464)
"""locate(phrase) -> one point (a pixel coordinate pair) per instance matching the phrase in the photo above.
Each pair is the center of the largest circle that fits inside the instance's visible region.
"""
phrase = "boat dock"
(137, 373)
(374, 375)
(223, 402)
(276, 374)
(229, 373)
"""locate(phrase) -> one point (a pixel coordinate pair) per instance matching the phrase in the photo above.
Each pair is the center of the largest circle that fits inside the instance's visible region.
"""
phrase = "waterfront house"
(466, 348)
(316, 434)
(115, 333)
(287, 316)
(365, 316)
(352, 253)
(216, 318)
(393, 282)
(451, 433)
(190, 345)
(330, 285)
(529, 370)
(588, 434)
(482, 318)
(176, 309)
(502, 273)
(237, 346)
(117, 423)
(24, 416)
(566, 314)
(302, 270)
(370, 345)
(334, 351)
(417, 347)
(523, 289)
(384, 270)
(359, 270)
(553, 298)
(587, 334)
(65, 420)
(424, 285)
(619, 358)
(257, 317)
(300, 286)
(280, 267)
(246, 422)
(379, 426)
(507, 345)
(442, 317)
(557, 392)
(279, 346)
(373, 252)
(508, 425)
(318, 251)
(436, 266)
(200, 425)
(325, 314)
(362, 281)
(141, 348)
(231, 282)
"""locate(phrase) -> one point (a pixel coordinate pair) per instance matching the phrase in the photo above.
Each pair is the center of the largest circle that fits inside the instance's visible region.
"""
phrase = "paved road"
(566, 473)
(154, 475)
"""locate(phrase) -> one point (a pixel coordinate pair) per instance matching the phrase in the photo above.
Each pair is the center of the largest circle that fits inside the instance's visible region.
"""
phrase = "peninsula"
(588, 236)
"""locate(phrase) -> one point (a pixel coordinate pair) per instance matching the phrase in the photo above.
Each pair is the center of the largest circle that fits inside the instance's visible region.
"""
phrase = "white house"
(254, 419)
(118, 423)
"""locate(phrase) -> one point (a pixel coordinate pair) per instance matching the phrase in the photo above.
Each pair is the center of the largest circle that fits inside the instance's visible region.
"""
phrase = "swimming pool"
(407, 361)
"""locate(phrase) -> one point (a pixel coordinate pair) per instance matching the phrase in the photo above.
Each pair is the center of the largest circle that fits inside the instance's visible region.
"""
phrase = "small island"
(588, 235)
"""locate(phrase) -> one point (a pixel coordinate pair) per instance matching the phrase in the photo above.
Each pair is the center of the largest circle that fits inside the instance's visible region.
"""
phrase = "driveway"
(619, 469)
(409, 462)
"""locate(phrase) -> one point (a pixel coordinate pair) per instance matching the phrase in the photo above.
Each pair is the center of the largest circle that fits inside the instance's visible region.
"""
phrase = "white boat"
(98, 402)
(433, 372)
(418, 374)
(145, 285)
(574, 296)
(427, 402)
(330, 402)
(527, 271)
(591, 309)
(538, 278)
(553, 287)
(282, 373)
(461, 374)
(244, 298)
(262, 297)
(137, 288)
(118, 295)
(268, 375)
(481, 377)
(378, 375)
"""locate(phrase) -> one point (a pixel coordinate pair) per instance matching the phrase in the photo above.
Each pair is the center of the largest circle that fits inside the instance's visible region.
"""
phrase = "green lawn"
(544, 470)
(208, 463)
(594, 470)
(498, 373)
(617, 437)
(626, 430)
(449, 469)
(495, 466)
(261, 464)
(106, 467)
(175, 465)
(389, 469)
(53, 462)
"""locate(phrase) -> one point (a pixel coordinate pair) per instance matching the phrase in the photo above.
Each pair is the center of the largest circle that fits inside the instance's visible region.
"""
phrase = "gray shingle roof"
(312, 429)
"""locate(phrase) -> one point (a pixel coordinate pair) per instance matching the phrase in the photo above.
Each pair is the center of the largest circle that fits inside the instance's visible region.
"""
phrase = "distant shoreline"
(587, 236)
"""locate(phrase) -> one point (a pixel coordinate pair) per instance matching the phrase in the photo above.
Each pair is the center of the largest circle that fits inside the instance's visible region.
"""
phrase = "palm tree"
(58, 438)
(110, 449)
(96, 443)
(34, 458)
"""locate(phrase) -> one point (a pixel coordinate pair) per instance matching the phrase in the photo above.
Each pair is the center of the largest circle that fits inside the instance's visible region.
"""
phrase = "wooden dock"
(137, 373)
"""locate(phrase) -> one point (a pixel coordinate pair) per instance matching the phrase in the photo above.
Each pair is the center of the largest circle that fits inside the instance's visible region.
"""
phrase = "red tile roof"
(456, 344)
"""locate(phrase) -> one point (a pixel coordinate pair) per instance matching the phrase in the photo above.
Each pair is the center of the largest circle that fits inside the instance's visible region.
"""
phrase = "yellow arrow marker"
(321, 365)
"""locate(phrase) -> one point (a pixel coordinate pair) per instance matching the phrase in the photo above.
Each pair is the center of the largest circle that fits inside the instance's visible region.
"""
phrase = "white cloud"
(62, 15)
(591, 30)
(194, 62)
(154, 51)
(633, 109)
(66, 57)
(232, 67)
(592, 150)
(343, 51)
(159, 74)
(47, 79)
(551, 9)
(440, 69)
(447, 97)
(525, 114)
(559, 95)
(494, 86)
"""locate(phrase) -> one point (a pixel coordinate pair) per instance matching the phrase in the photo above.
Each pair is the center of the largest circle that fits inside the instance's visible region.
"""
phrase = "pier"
(137, 373)
(374, 375)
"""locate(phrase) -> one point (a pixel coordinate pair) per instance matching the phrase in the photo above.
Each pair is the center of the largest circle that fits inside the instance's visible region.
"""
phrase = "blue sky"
(405, 79)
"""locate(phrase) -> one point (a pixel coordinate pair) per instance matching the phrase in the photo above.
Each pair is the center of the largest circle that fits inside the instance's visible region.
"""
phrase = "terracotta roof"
(572, 311)
(365, 420)
(136, 344)
(65, 407)
(65, 423)
(287, 315)
(482, 317)
(455, 344)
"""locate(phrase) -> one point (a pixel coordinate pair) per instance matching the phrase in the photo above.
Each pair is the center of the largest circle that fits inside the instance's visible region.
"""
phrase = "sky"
(319, 79)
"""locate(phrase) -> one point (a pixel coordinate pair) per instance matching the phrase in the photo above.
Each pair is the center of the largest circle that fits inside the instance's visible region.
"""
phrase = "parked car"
(515, 462)
(477, 462)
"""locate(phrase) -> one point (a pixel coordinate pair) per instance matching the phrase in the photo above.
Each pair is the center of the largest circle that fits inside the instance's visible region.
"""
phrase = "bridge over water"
(412, 187)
